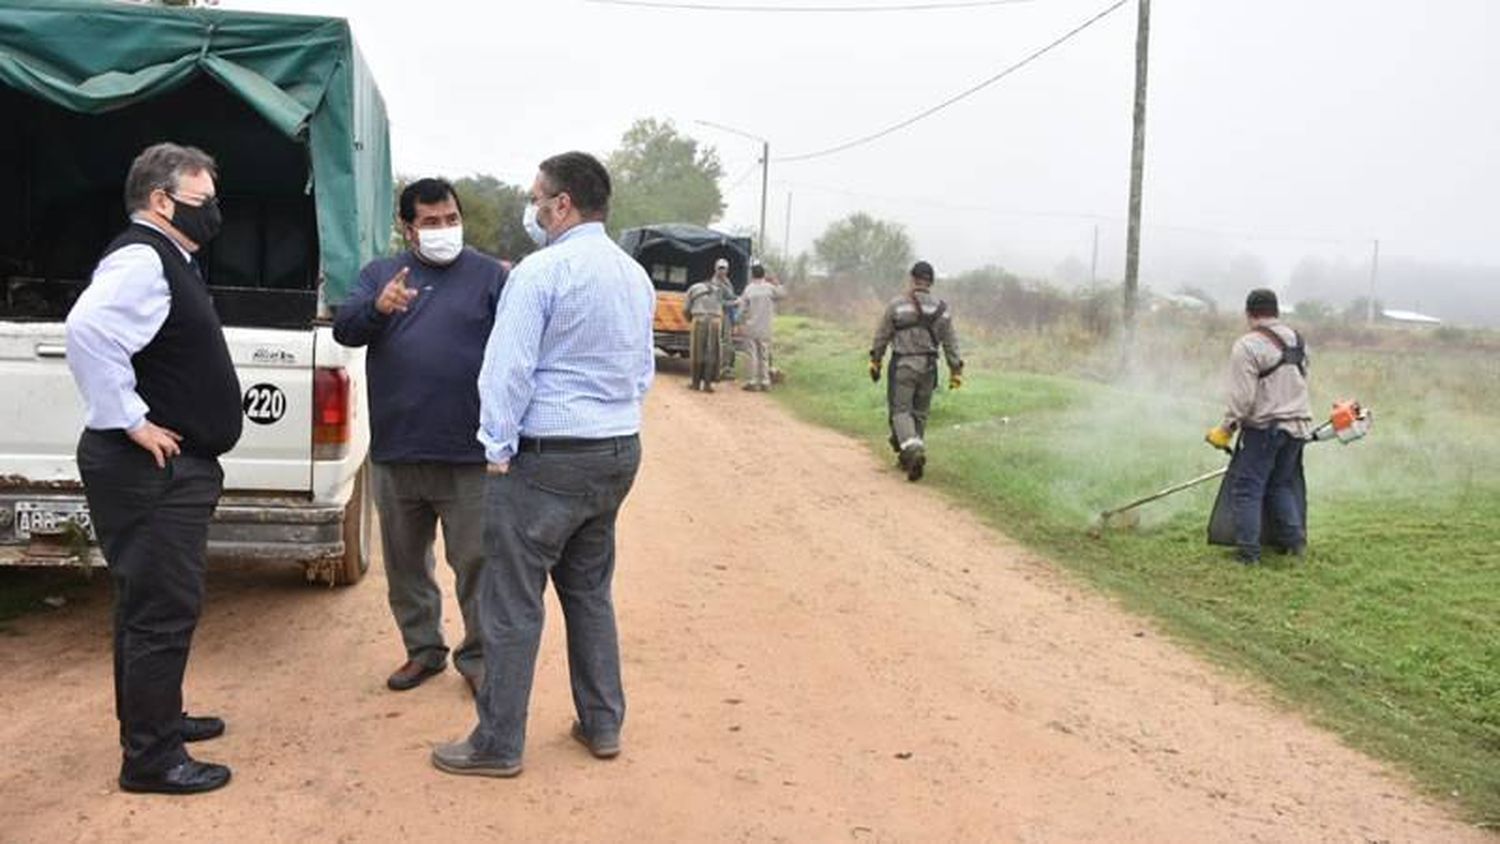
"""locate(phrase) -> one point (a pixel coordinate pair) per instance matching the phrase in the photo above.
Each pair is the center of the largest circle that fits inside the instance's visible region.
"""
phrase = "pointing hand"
(396, 297)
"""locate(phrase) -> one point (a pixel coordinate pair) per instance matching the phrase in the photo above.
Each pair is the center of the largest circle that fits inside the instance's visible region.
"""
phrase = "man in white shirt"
(162, 402)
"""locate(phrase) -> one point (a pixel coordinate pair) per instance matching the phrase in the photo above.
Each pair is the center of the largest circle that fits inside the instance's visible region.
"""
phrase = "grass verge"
(1387, 634)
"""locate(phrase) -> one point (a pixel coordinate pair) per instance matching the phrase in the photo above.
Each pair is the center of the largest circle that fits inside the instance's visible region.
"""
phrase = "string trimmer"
(1348, 423)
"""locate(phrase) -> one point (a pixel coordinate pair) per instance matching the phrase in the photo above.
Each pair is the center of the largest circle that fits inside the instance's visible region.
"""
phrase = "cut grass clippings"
(1386, 634)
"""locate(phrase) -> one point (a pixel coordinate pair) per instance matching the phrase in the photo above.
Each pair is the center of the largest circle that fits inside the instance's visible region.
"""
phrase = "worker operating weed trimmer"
(1262, 502)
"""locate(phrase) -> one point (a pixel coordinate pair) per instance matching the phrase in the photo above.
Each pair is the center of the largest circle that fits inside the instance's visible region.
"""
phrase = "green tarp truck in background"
(284, 103)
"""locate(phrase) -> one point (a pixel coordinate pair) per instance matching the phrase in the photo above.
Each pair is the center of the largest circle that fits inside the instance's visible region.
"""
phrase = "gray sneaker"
(603, 746)
(459, 757)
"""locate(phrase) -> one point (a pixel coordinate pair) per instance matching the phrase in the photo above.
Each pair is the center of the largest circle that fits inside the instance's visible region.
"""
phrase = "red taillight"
(331, 413)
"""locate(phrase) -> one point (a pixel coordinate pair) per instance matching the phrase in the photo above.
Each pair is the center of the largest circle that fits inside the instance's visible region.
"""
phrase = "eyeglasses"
(540, 200)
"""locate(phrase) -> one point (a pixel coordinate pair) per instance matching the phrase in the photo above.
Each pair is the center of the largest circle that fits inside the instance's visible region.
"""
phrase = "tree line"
(663, 176)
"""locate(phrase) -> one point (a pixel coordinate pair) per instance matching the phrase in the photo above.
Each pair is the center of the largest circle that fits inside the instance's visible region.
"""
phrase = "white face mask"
(534, 228)
(441, 246)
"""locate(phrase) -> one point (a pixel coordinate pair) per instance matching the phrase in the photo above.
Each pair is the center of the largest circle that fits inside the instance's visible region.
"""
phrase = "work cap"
(922, 270)
(721, 264)
(1261, 301)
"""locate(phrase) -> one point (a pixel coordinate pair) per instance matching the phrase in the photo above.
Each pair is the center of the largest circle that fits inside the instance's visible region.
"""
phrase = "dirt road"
(815, 650)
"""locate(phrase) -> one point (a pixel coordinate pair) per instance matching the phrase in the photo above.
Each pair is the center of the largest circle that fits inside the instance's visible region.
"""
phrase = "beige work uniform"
(757, 314)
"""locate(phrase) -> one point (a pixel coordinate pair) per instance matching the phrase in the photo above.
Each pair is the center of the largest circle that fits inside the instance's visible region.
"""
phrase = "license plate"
(51, 516)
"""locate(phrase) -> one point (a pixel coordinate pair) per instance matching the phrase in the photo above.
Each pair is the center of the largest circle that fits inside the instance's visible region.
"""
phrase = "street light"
(765, 169)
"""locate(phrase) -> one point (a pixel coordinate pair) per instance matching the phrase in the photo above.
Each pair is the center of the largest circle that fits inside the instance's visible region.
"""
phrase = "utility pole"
(1374, 273)
(1094, 262)
(765, 181)
(1137, 167)
(765, 168)
(786, 243)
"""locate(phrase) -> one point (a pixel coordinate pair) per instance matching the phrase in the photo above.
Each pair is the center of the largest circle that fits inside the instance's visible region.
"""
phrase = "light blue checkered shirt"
(571, 353)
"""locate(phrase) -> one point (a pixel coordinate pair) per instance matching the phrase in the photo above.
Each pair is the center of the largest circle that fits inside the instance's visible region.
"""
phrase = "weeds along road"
(815, 650)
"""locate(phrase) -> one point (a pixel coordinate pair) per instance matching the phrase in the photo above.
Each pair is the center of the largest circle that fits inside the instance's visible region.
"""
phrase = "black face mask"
(200, 223)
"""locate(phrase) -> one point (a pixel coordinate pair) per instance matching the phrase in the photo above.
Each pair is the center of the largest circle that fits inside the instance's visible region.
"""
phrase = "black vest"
(185, 374)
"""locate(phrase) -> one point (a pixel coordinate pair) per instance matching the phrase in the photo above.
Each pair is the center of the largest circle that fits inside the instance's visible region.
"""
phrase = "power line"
(1283, 237)
(949, 206)
(965, 94)
(741, 7)
(740, 179)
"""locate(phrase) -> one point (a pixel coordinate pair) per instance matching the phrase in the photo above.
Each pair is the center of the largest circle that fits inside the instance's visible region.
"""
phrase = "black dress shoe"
(195, 728)
(191, 777)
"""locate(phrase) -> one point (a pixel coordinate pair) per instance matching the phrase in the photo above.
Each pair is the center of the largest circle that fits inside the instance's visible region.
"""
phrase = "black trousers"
(153, 526)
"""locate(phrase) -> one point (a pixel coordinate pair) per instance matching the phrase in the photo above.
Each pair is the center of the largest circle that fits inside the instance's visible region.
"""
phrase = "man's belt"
(558, 445)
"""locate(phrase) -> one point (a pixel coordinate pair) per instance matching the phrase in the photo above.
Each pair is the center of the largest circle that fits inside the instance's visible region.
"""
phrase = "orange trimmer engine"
(1348, 422)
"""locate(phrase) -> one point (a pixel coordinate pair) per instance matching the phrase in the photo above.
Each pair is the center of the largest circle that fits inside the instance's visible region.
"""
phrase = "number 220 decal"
(265, 404)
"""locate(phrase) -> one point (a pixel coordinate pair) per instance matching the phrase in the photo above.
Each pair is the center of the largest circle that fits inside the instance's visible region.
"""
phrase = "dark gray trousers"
(704, 349)
(553, 514)
(910, 383)
(153, 526)
(412, 499)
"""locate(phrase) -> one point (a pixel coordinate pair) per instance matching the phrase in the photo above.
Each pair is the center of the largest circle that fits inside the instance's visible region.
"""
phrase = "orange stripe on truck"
(669, 313)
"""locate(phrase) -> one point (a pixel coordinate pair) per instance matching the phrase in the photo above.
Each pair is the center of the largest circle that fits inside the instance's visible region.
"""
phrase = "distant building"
(1178, 301)
(1410, 318)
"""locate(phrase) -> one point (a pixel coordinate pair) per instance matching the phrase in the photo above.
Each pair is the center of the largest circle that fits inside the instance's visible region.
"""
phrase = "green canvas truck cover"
(303, 75)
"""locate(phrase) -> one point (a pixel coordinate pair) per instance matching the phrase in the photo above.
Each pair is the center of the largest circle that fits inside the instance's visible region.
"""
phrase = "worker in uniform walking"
(758, 305)
(917, 326)
(1269, 408)
(704, 305)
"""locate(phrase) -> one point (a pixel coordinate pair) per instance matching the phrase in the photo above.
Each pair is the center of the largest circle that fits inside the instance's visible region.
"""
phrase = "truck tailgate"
(42, 414)
(276, 388)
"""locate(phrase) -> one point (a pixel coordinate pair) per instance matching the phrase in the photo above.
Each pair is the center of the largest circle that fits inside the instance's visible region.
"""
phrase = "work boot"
(914, 460)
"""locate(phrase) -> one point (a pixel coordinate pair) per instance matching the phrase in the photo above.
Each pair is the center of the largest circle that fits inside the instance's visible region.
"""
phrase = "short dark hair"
(161, 167)
(428, 192)
(922, 270)
(583, 179)
(1262, 303)
(757, 271)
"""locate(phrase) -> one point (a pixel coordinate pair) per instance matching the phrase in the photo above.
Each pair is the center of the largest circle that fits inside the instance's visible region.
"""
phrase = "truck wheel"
(359, 518)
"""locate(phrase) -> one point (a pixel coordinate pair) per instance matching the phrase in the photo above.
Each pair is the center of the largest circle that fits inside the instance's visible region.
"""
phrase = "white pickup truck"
(299, 131)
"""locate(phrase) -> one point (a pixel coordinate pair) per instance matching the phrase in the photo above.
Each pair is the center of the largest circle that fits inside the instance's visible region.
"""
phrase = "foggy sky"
(1280, 127)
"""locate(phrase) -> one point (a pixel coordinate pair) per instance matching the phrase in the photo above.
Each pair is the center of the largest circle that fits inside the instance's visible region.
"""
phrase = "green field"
(1388, 633)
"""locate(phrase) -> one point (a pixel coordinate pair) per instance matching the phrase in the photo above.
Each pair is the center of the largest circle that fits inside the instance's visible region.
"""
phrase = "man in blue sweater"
(425, 315)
